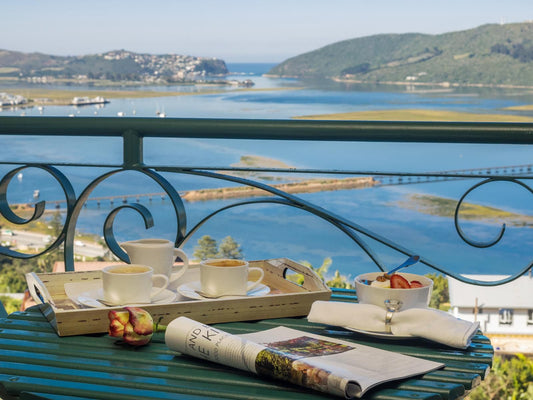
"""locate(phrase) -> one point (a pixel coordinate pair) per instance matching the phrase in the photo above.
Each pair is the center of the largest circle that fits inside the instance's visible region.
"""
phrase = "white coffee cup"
(219, 277)
(131, 284)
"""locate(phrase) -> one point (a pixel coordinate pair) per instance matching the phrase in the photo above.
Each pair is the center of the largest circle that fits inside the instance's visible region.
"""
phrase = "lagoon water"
(267, 231)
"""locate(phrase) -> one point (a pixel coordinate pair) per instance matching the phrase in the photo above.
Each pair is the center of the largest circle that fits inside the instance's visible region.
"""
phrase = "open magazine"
(317, 362)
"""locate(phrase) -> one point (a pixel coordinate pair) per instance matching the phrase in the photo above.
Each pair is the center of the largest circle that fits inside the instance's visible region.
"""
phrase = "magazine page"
(317, 362)
(331, 365)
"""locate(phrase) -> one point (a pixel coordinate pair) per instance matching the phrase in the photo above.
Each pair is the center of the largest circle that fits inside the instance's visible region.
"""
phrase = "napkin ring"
(392, 306)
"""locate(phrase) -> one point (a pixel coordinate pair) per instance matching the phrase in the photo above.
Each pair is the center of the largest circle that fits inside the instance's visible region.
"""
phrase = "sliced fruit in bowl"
(414, 291)
(399, 282)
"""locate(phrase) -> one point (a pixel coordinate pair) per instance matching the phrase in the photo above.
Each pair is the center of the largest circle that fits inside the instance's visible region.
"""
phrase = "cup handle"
(160, 288)
(256, 283)
(181, 254)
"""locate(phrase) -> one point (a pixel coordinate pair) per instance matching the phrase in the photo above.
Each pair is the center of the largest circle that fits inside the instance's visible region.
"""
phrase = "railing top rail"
(371, 131)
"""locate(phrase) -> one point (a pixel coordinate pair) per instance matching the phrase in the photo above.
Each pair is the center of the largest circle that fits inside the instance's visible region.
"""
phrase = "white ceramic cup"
(131, 284)
(226, 276)
(409, 298)
(159, 254)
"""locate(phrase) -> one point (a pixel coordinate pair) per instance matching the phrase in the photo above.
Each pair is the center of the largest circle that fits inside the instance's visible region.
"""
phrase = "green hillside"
(487, 55)
(117, 65)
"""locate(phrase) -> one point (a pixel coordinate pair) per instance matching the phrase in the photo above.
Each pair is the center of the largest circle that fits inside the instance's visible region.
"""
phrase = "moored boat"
(85, 101)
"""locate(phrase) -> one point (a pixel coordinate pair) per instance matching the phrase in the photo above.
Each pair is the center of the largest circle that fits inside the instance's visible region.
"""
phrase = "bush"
(10, 304)
(510, 379)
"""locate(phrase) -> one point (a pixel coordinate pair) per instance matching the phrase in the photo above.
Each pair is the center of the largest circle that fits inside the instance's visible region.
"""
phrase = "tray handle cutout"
(37, 289)
(298, 274)
(293, 276)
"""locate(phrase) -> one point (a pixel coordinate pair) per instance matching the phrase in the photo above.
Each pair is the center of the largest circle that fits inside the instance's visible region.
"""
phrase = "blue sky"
(233, 30)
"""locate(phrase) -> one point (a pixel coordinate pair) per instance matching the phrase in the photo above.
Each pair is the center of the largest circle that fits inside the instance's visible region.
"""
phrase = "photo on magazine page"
(283, 360)
(339, 367)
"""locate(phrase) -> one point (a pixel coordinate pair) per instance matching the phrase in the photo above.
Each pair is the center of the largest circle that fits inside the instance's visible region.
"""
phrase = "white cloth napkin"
(427, 323)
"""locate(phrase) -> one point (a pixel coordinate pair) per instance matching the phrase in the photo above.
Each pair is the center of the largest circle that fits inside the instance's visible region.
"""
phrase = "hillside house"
(503, 309)
(505, 312)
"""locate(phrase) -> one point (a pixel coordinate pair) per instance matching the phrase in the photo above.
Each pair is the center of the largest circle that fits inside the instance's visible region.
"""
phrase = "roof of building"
(59, 266)
(515, 294)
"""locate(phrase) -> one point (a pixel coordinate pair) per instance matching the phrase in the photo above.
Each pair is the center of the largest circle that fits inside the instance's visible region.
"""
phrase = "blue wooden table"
(35, 363)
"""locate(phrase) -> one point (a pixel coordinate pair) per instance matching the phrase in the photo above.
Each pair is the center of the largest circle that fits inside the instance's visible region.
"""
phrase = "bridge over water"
(406, 179)
(383, 179)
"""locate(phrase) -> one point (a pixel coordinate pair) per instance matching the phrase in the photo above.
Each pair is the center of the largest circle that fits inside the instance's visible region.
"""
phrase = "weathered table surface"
(35, 363)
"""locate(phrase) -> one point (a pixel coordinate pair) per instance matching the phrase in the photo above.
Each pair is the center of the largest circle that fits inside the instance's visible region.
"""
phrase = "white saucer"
(379, 335)
(189, 290)
(90, 298)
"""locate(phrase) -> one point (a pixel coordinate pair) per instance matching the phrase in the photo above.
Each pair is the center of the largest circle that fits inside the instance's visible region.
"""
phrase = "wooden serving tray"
(286, 299)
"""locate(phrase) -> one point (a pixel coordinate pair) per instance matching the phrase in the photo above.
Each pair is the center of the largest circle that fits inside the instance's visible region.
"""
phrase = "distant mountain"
(113, 65)
(487, 55)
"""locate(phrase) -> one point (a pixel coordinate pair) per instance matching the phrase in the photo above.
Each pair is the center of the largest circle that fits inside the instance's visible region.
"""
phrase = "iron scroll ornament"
(177, 203)
(349, 227)
(462, 234)
(39, 208)
(353, 230)
(109, 235)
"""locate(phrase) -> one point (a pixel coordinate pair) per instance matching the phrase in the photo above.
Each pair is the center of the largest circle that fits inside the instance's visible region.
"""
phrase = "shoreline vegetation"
(312, 185)
(304, 186)
(421, 115)
(441, 84)
(52, 97)
(426, 204)
(445, 207)
(55, 97)
(527, 107)
(446, 85)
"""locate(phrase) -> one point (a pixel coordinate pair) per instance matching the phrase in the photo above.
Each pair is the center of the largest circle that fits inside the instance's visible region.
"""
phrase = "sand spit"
(307, 186)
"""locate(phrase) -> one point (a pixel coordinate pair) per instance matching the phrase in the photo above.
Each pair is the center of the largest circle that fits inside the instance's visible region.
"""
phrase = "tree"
(338, 281)
(357, 69)
(229, 248)
(13, 271)
(45, 262)
(499, 48)
(440, 295)
(207, 248)
(57, 224)
(322, 270)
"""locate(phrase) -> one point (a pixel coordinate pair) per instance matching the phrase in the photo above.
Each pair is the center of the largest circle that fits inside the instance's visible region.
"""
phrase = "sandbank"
(418, 115)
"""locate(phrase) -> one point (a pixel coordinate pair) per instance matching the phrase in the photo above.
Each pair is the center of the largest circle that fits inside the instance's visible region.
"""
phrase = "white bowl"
(410, 298)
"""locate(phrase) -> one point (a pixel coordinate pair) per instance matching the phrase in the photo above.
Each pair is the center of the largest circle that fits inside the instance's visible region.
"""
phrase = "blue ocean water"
(298, 99)
(267, 231)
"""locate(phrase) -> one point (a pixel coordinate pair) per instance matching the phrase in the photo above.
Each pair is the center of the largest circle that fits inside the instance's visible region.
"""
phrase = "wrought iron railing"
(133, 131)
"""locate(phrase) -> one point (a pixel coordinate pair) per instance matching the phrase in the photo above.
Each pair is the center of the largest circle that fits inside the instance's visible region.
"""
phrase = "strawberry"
(399, 282)
(415, 284)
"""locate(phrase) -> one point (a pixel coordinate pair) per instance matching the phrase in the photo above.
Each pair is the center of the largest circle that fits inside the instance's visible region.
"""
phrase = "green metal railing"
(133, 131)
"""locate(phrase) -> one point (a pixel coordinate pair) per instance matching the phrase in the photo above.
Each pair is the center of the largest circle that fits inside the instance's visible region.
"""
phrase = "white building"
(503, 309)
(505, 312)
